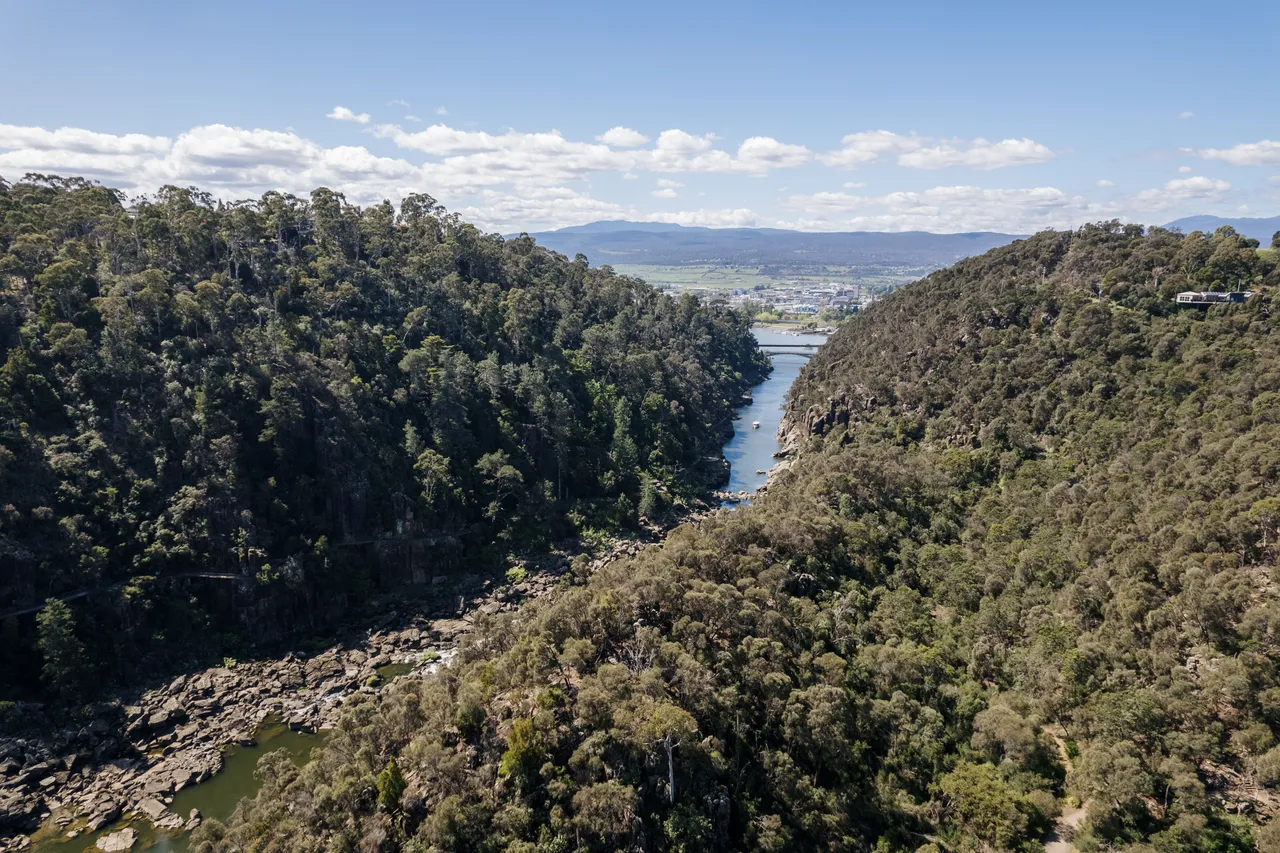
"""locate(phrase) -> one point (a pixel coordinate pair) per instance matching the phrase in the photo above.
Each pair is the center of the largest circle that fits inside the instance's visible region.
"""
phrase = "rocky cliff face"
(802, 422)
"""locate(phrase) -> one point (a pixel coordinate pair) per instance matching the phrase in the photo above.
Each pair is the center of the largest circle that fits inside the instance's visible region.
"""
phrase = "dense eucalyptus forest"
(1024, 561)
(214, 417)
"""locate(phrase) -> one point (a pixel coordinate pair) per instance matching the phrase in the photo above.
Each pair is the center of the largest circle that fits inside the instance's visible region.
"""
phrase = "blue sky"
(526, 116)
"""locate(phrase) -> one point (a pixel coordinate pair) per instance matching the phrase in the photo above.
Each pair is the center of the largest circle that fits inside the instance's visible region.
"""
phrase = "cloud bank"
(516, 180)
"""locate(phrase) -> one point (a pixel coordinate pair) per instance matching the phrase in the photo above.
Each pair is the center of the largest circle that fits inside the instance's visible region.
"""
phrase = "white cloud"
(765, 152)
(513, 180)
(540, 209)
(741, 217)
(483, 159)
(82, 141)
(1185, 114)
(344, 114)
(978, 154)
(1184, 170)
(869, 146)
(231, 162)
(499, 183)
(940, 209)
(1264, 153)
(970, 208)
(548, 157)
(399, 102)
(678, 142)
(679, 151)
(1179, 191)
(412, 118)
(854, 185)
(442, 111)
(1103, 182)
(442, 140)
(622, 137)
(919, 152)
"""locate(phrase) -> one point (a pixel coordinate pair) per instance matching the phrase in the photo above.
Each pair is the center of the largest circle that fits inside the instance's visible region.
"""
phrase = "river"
(750, 451)
(216, 798)
(750, 454)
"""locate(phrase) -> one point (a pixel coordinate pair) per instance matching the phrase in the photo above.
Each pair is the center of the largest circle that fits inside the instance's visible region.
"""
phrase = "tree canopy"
(271, 390)
(1026, 553)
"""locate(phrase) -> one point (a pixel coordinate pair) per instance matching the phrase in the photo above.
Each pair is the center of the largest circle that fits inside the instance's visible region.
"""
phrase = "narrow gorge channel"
(751, 450)
(269, 721)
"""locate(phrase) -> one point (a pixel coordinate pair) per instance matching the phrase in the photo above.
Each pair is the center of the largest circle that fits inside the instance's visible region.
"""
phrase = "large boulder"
(116, 841)
(152, 808)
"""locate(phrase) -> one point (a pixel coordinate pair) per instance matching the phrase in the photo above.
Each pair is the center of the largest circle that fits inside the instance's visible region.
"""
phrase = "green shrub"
(391, 786)
(524, 754)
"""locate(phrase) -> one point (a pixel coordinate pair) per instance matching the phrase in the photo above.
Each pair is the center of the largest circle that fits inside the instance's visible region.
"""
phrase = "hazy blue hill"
(653, 243)
(1258, 228)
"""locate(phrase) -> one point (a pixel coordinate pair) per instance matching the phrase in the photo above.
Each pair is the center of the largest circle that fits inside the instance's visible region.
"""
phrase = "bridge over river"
(803, 350)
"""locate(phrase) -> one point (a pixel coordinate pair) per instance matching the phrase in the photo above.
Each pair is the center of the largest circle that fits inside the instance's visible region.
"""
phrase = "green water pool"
(216, 798)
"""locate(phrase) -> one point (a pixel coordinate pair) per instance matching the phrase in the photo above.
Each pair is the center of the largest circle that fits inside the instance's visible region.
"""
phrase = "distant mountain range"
(619, 241)
(652, 243)
(1261, 230)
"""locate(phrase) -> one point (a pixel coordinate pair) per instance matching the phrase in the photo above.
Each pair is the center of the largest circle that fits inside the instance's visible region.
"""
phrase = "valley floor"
(153, 745)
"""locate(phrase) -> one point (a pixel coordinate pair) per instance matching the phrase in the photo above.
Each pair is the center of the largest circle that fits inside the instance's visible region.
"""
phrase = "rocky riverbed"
(135, 752)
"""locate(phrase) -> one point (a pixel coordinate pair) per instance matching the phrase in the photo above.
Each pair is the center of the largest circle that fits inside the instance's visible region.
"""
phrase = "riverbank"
(136, 761)
(753, 450)
(133, 754)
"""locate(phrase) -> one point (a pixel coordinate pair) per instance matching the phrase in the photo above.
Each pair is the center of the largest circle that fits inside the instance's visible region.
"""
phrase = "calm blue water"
(752, 450)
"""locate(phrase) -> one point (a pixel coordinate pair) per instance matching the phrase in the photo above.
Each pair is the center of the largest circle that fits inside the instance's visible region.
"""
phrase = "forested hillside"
(1026, 558)
(209, 406)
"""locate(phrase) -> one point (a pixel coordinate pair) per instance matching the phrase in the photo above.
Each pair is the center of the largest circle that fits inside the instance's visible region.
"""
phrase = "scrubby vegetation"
(194, 392)
(1025, 559)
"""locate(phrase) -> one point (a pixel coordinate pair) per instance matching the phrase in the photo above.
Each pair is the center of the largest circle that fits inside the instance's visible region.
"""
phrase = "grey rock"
(160, 720)
(106, 813)
(158, 785)
(176, 710)
(117, 841)
(152, 808)
(17, 809)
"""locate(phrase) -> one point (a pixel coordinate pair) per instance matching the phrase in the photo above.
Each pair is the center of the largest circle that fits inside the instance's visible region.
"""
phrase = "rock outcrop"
(138, 751)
